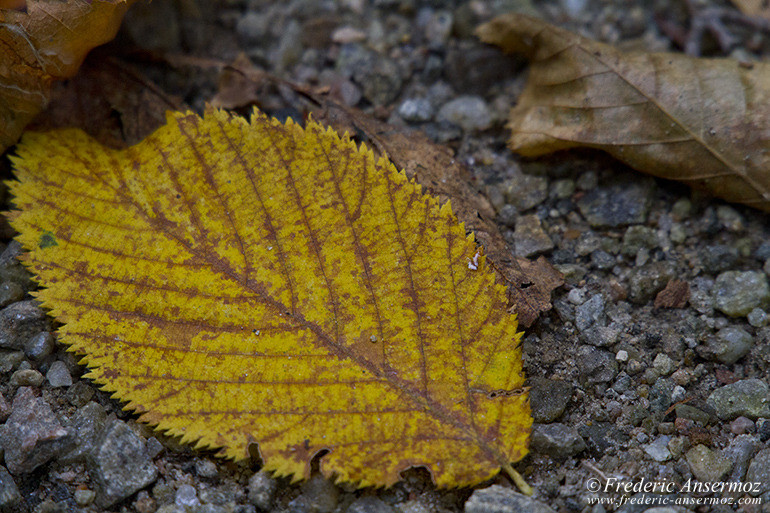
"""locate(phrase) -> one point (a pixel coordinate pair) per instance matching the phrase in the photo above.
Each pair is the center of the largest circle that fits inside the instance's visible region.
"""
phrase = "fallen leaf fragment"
(675, 295)
(760, 8)
(109, 100)
(46, 42)
(241, 283)
(436, 169)
(704, 122)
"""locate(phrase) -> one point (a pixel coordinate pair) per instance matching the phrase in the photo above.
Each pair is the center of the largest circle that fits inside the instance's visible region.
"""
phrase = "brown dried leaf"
(110, 101)
(760, 8)
(436, 169)
(675, 295)
(46, 42)
(704, 122)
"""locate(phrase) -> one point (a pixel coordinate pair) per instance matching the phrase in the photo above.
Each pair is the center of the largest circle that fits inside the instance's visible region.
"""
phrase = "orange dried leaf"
(704, 122)
(242, 283)
(45, 42)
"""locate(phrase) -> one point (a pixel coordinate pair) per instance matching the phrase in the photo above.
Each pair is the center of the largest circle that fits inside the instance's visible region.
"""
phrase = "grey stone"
(252, 27)
(729, 218)
(658, 449)
(10, 360)
(590, 313)
(548, 399)
(508, 215)
(290, 47)
(39, 346)
(529, 237)
(119, 464)
(470, 113)
(707, 465)
(747, 397)
(718, 257)
(186, 496)
(736, 293)
(731, 344)
(19, 322)
(663, 365)
(757, 318)
(321, 493)
(11, 269)
(660, 395)
(685, 411)
(759, 471)
(85, 425)
(556, 440)
(32, 435)
(600, 259)
(525, 191)
(58, 375)
(26, 378)
(646, 281)
(621, 200)
(370, 505)
(381, 81)
(498, 499)
(596, 365)
(416, 110)
(79, 394)
(740, 451)
(600, 336)
(10, 292)
(204, 468)
(10, 498)
(636, 238)
(84, 497)
(262, 490)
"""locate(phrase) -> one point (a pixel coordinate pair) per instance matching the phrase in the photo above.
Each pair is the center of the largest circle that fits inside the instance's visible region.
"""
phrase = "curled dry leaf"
(43, 43)
(242, 283)
(705, 122)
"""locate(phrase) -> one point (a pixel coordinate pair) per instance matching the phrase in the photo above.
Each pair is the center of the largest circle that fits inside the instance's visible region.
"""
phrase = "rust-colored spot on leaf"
(238, 282)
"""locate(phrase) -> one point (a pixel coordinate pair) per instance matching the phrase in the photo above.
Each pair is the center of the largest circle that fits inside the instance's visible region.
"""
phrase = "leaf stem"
(516, 477)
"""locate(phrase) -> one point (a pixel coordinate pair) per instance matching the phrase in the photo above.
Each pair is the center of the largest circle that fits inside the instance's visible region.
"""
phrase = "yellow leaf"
(243, 283)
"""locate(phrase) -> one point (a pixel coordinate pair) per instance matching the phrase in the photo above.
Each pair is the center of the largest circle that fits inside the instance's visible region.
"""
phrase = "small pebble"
(732, 344)
(759, 471)
(186, 496)
(499, 499)
(470, 113)
(530, 238)
(748, 397)
(261, 490)
(741, 425)
(622, 356)
(736, 293)
(27, 377)
(663, 365)
(706, 464)
(39, 346)
(757, 318)
(416, 110)
(58, 375)
(84, 497)
(658, 449)
(204, 468)
(556, 440)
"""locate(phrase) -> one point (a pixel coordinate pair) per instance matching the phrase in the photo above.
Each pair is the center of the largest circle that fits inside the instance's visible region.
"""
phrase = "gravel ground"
(620, 389)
